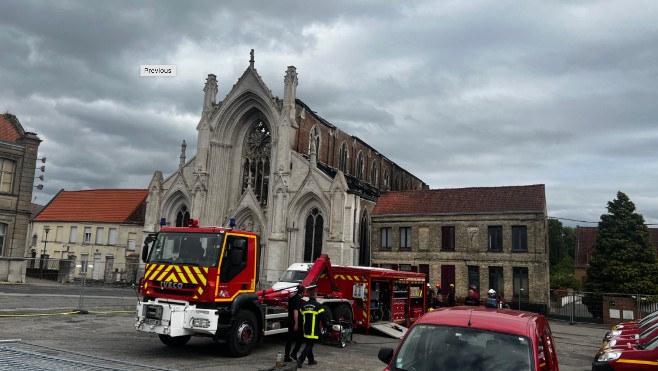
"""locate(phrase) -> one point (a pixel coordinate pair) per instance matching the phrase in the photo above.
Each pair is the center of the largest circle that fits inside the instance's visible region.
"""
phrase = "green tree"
(561, 242)
(563, 277)
(624, 259)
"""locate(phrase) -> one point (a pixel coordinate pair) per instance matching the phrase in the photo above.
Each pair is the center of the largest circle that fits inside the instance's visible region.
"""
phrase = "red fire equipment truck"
(201, 281)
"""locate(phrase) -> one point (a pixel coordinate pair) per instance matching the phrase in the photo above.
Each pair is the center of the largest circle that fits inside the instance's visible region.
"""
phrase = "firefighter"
(313, 315)
(429, 297)
(471, 299)
(294, 319)
(451, 295)
(492, 299)
(475, 291)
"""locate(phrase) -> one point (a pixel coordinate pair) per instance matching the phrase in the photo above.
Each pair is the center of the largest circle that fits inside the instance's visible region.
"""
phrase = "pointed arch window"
(182, 216)
(385, 185)
(364, 241)
(313, 235)
(360, 165)
(314, 136)
(342, 161)
(373, 173)
(256, 165)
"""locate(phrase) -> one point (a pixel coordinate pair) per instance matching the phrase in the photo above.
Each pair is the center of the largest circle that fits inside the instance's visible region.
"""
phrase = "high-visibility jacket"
(312, 314)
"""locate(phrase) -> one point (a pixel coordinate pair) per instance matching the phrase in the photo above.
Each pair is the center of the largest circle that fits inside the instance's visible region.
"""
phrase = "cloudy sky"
(460, 93)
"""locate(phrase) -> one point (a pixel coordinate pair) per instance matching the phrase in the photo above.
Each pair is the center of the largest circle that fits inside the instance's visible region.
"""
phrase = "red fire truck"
(201, 281)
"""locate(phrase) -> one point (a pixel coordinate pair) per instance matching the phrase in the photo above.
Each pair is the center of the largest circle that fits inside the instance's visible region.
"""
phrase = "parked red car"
(475, 338)
(638, 358)
(627, 331)
(633, 324)
(632, 339)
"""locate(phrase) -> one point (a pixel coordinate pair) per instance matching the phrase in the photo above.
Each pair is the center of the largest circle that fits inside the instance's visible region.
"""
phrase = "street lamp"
(45, 241)
(520, 294)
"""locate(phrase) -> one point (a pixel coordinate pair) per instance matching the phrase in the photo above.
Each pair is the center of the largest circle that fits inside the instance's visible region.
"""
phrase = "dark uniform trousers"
(294, 336)
(313, 315)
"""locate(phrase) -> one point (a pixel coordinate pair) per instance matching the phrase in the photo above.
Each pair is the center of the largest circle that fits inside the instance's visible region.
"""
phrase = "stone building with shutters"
(100, 226)
(18, 157)
(493, 237)
(281, 170)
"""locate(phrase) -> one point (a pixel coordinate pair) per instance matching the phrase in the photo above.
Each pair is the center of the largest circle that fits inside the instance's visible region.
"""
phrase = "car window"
(432, 347)
(293, 276)
(649, 330)
(651, 344)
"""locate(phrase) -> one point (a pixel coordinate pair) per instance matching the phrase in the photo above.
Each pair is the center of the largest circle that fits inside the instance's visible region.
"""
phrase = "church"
(280, 170)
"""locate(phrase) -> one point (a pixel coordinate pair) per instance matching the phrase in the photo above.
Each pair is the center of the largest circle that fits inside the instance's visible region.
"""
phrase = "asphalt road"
(44, 317)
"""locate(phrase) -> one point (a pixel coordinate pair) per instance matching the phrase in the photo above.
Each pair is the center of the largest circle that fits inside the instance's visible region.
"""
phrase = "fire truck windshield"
(199, 249)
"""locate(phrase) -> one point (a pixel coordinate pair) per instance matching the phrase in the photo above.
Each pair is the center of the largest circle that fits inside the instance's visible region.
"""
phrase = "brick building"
(493, 237)
(101, 226)
(18, 157)
(585, 244)
(279, 169)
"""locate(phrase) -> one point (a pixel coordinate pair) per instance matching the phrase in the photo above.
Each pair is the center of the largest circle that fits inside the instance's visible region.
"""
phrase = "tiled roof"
(586, 242)
(9, 132)
(35, 209)
(477, 200)
(96, 205)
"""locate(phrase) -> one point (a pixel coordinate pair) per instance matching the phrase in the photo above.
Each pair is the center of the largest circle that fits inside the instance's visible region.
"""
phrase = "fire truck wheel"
(328, 314)
(177, 341)
(243, 336)
(343, 313)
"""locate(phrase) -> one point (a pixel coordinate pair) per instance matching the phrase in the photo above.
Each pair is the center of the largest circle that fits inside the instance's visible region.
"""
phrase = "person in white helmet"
(492, 300)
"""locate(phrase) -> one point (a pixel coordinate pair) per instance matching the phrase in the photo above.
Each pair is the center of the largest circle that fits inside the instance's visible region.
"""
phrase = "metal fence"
(69, 271)
(591, 307)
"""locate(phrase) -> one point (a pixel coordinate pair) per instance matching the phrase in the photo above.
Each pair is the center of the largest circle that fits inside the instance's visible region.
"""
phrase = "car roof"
(499, 320)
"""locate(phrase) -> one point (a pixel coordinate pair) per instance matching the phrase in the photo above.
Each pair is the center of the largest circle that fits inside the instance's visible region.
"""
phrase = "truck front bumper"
(175, 318)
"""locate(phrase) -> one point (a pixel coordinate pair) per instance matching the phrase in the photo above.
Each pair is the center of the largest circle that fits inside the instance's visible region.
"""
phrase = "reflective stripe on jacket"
(311, 312)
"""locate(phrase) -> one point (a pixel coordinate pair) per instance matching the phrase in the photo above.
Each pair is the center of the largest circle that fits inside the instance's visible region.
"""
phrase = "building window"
(385, 185)
(34, 240)
(496, 238)
(100, 233)
(360, 164)
(73, 235)
(405, 267)
(112, 237)
(313, 237)
(448, 238)
(7, 168)
(373, 173)
(405, 238)
(87, 236)
(520, 280)
(256, 169)
(3, 233)
(386, 238)
(59, 234)
(182, 216)
(474, 277)
(131, 241)
(342, 160)
(496, 280)
(519, 238)
(314, 136)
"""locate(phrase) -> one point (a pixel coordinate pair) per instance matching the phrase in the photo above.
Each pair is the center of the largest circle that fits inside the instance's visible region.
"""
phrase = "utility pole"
(46, 229)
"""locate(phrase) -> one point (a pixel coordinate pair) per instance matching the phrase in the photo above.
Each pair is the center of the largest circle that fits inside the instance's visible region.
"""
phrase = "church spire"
(210, 90)
(183, 146)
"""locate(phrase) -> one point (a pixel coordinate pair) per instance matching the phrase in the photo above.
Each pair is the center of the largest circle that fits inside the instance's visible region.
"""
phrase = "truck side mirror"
(145, 249)
(385, 355)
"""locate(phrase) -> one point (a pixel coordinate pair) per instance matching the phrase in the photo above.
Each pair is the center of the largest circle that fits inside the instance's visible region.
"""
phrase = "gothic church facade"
(278, 169)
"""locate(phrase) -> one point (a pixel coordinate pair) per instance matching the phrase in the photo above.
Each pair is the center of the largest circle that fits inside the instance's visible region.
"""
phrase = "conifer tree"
(624, 260)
